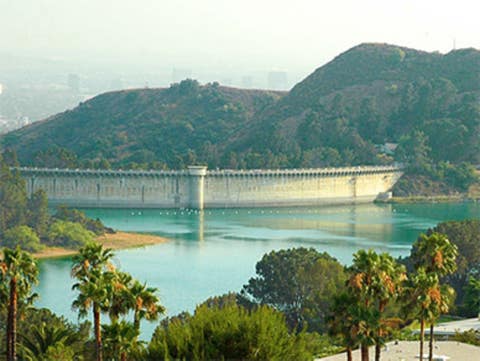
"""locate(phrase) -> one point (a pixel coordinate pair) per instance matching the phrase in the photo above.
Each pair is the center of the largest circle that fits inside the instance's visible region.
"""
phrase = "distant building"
(73, 82)
(277, 80)
(1, 88)
(387, 148)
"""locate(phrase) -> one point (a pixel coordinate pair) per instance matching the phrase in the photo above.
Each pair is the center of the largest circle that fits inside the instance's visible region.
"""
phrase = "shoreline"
(116, 241)
(431, 199)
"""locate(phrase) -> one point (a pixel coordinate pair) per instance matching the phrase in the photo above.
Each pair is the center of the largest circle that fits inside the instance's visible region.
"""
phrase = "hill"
(426, 105)
(156, 128)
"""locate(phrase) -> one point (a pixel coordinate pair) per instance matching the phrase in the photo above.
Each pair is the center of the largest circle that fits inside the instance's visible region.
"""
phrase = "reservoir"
(215, 251)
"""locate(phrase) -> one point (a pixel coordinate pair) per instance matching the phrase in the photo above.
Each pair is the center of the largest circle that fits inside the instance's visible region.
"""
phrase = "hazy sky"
(243, 34)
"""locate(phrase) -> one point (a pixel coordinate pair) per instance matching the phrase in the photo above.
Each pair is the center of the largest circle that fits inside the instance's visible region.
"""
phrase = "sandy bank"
(118, 240)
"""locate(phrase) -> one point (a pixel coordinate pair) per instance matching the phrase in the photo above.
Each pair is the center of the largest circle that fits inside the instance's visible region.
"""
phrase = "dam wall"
(200, 188)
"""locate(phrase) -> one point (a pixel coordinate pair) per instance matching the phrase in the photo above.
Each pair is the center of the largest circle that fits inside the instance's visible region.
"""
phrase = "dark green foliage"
(68, 234)
(26, 222)
(149, 128)
(13, 198)
(37, 213)
(466, 236)
(299, 282)
(227, 333)
(46, 334)
(121, 338)
(74, 215)
(22, 236)
(472, 297)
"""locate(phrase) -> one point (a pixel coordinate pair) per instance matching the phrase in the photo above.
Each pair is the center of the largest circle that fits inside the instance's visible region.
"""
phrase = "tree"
(46, 334)
(23, 237)
(229, 332)
(37, 212)
(421, 293)
(146, 303)
(374, 281)
(120, 340)
(95, 277)
(292, 281)
(413, 150)
(341, 323)
(466, 236)
(131, 295)
(472, 296)
(43, 339)
(13, 198)
(74, 215)
(436, 255)
(438, 308)
(69, 235)
(18, 270)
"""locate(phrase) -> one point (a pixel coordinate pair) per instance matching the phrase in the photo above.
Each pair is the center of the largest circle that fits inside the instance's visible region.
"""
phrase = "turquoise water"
(215, 252)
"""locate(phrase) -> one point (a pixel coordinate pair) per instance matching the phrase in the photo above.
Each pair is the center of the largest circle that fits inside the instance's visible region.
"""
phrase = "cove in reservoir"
(215, 251)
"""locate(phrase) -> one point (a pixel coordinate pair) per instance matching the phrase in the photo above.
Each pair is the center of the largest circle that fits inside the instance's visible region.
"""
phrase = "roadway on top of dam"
(213, 173)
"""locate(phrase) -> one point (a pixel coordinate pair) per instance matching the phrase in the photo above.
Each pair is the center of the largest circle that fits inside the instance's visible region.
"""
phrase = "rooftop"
(408, 351)
(450, 328)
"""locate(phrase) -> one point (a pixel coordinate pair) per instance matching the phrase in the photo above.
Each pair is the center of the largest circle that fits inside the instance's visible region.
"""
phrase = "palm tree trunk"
(378, 351)
(422, 336)
(98, 334)
(430, 344)
(123, 356)
(364, 351)
(349, 354)
(9, 332)
(12, 322)
(136, 320)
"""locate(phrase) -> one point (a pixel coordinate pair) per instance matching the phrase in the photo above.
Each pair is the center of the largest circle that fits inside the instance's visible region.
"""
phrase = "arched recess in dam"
(200, 188)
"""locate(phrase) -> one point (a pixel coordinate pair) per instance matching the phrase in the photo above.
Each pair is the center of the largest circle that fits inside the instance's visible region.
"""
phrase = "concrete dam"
(200, 188)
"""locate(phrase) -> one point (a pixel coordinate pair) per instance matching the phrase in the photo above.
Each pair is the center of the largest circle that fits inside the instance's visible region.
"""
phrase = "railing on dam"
(213, 173)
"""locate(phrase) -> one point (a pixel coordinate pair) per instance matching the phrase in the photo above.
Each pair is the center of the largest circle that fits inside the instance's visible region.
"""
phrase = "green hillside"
(425, 104)
(154, 128)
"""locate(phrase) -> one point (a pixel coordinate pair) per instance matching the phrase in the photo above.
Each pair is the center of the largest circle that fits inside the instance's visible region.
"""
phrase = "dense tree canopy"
(300, 282)
(227, 332)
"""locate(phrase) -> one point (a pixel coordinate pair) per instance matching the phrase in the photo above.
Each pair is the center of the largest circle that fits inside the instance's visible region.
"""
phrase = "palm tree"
(120, 339)
(420, 293)
(18, 270)
(147, 304)
(437, 255)
(375, 280)
(121, 299)
(440, 305)
(386, 286)
(95, 275)
(362, 272)
(42, 337)
(92, 256)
